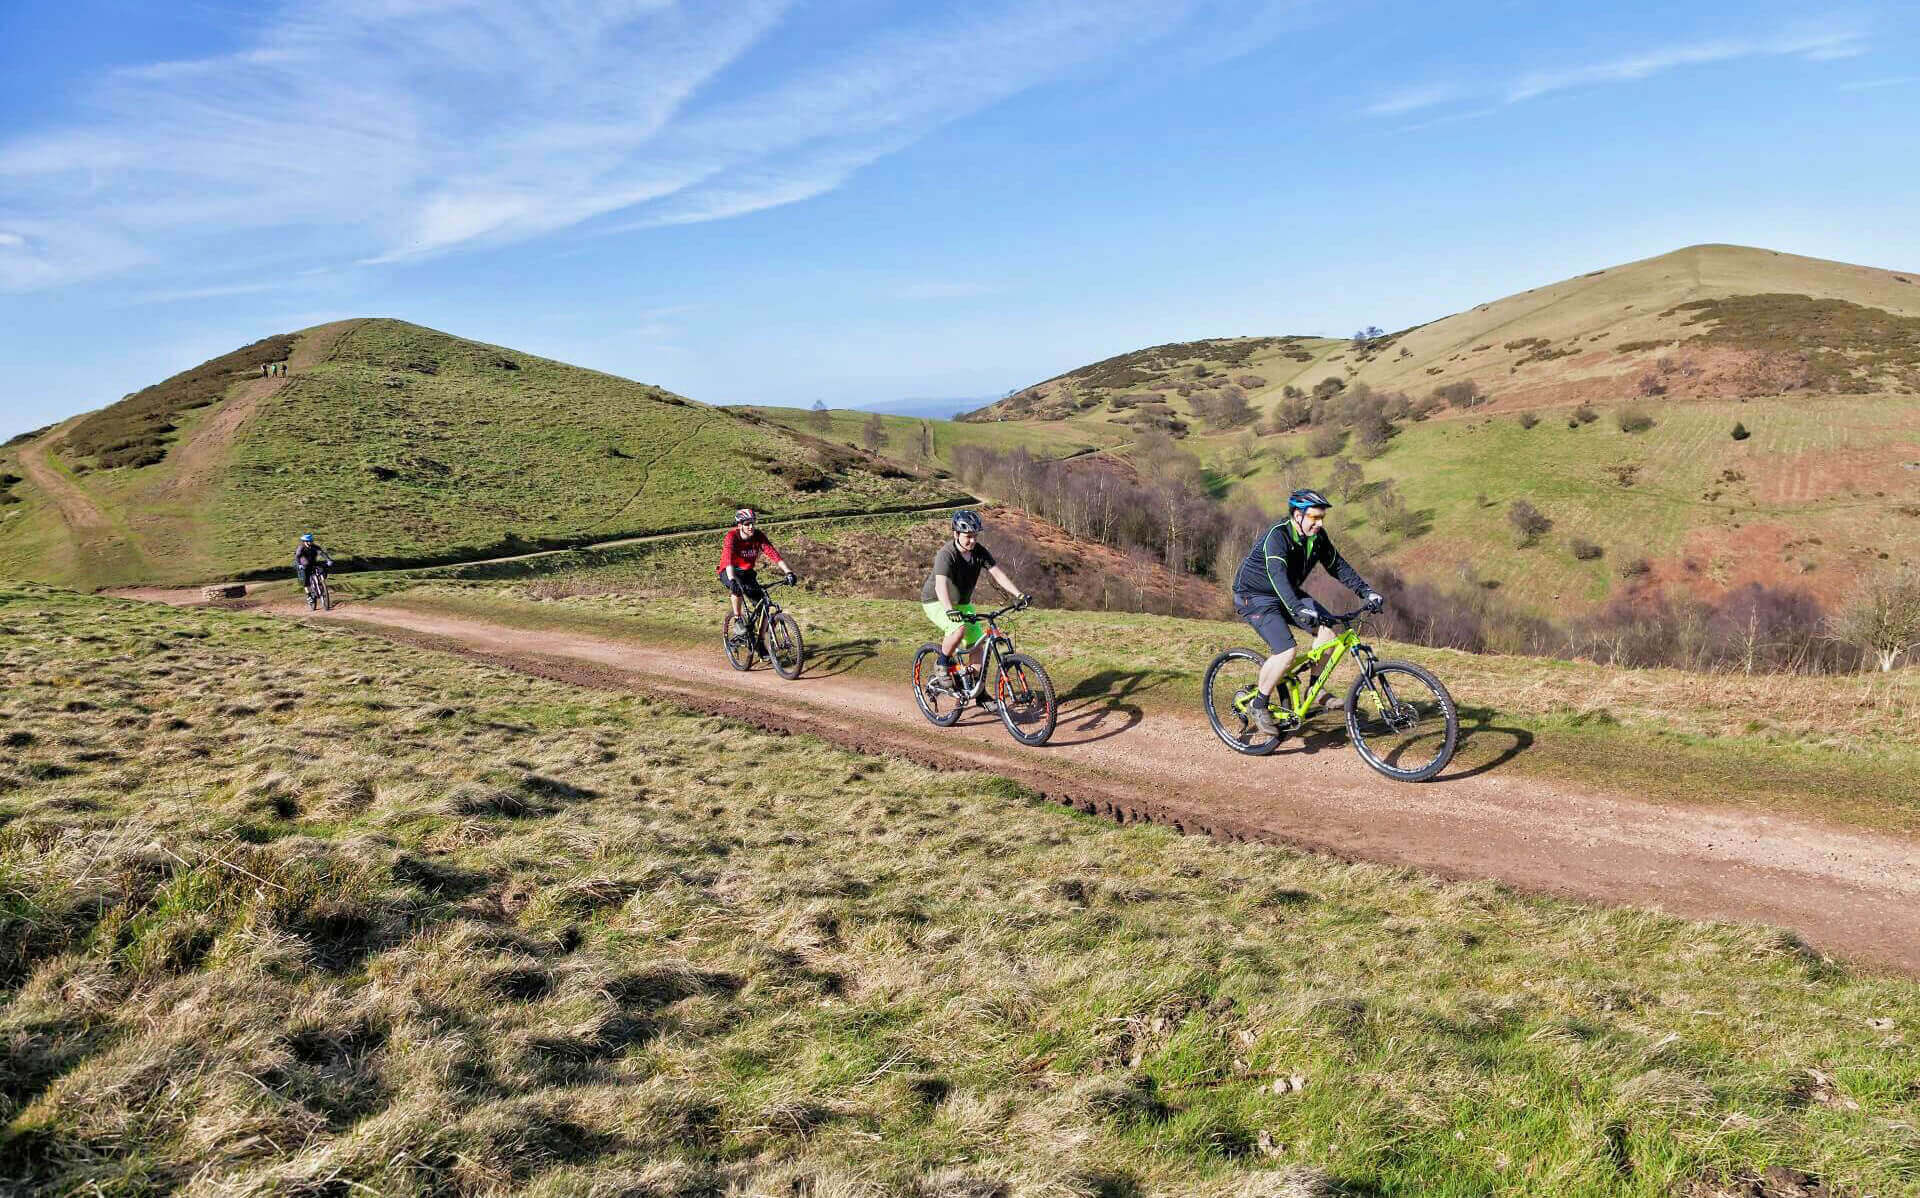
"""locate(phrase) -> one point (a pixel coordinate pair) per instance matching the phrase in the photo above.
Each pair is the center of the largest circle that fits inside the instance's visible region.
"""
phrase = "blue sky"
(781, 200)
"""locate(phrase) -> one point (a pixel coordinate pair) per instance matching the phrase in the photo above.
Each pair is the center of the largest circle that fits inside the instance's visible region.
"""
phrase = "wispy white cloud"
(1818, 44)
(942, 289)
(1861, 85)
(1414, 98)
(388, 130)
(217, 291)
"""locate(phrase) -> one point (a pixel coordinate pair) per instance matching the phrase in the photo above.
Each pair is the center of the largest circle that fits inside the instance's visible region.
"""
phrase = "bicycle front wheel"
(737, 644)
(1027, 704)
(326, 596)
(784, 647)
(1227, 691)
(1403, 722)
(933, 688)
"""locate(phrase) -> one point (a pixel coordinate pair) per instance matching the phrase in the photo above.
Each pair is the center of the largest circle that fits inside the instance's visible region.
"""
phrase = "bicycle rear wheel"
(1227, 691)
(933, 688)
(738, 645)
(1027, 704)
(784, 647)
(1403, 721)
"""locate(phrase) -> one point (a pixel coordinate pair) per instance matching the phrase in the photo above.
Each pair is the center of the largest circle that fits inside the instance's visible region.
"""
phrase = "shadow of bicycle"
(1100, 705)
(1478, 730)
(825, 661)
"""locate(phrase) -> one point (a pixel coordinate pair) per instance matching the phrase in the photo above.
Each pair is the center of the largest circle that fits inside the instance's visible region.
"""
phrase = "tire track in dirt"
(1850, 893)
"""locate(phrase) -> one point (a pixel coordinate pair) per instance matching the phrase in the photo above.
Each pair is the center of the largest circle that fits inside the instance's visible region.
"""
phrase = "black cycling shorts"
(1269, 618)
(744, 584)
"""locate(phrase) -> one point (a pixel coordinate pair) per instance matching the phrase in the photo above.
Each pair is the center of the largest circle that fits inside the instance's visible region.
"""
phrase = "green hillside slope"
(1816, 364)
(395, 442)
(1752, 321)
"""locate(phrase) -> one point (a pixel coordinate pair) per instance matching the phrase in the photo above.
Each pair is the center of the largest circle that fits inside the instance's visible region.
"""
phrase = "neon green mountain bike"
(1402, 720)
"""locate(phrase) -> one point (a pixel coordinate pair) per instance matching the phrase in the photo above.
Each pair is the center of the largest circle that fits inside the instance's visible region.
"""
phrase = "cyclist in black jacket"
(1267, 594)
(308, 557)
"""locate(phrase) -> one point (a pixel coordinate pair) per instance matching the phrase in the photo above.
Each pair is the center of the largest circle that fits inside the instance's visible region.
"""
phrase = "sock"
(946, 663)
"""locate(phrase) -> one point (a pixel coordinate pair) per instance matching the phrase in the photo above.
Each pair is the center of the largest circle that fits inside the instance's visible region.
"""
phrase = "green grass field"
(286, 910)
(1816, 495)
(1841, 749)
(1051, 439)
(405, 443)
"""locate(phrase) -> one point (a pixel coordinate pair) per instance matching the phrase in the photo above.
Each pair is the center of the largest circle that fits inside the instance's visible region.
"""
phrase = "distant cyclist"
(956, 570)
(740, 553)
(1267, 594)
(309, 557)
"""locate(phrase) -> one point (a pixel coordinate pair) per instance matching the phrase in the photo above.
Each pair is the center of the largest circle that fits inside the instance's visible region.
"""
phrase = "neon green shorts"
(937, 612)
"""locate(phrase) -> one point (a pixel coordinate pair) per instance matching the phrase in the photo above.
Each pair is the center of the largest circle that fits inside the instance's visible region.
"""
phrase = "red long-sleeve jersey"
(744, 553)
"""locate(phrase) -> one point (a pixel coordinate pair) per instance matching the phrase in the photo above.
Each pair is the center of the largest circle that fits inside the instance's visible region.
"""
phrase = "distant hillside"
(1693, 423)
(394, 442)
(1729, 321)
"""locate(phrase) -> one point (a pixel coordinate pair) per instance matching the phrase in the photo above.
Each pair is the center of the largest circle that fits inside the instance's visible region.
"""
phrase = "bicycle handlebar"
(955, 614)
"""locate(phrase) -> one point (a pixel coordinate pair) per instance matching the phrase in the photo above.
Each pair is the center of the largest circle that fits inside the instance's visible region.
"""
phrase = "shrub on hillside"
(1650, 384)
(1635, 567)
(1633, 420)
(1326, 442)
(1585, 414)
(1251, 382)
(1528, 419)
(1740, 432)
(1585, 550)
(1464, 393)
(1529, 522)
(1345, 478)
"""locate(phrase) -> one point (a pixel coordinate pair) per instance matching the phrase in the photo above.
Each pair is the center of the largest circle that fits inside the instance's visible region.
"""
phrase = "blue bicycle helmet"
(1305, 498)
(968, 521)
(306, 538)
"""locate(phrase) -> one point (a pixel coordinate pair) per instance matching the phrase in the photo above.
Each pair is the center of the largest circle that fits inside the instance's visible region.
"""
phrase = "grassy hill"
(1815, 364)
(330, 915)
(1751, 321)
(395, 442)
(911, 439)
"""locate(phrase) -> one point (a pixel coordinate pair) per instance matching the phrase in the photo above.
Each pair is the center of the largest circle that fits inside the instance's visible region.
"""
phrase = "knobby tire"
(1399, 681)
(785, 649)
(1027, 704)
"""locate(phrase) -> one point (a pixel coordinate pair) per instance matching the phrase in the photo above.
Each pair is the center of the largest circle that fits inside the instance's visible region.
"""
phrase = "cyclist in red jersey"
(740, 553)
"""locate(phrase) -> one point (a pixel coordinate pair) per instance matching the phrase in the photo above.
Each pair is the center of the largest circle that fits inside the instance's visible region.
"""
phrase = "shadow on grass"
(841, 657)
(1480, 733)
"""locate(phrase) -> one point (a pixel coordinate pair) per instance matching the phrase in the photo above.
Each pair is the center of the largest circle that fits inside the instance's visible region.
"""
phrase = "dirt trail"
(197, 459)
(76, 506)
(1849, 893)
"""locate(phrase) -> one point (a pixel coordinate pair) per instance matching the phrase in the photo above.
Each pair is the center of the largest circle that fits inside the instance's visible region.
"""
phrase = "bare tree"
(873, 434)
(1884, 620)
(1345, 478)
(926, 440)
(818, 418)
(1529, 522)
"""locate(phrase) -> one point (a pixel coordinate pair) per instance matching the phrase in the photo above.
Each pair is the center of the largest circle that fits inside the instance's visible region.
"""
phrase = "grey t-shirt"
(962, 571)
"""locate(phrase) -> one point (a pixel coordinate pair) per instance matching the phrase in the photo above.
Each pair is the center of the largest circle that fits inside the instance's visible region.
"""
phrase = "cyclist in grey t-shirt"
(956, 571)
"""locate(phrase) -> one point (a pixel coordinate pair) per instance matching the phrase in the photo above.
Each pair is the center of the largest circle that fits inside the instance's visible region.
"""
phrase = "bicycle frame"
(997, 643)
(1334, 651)
(759, 612)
